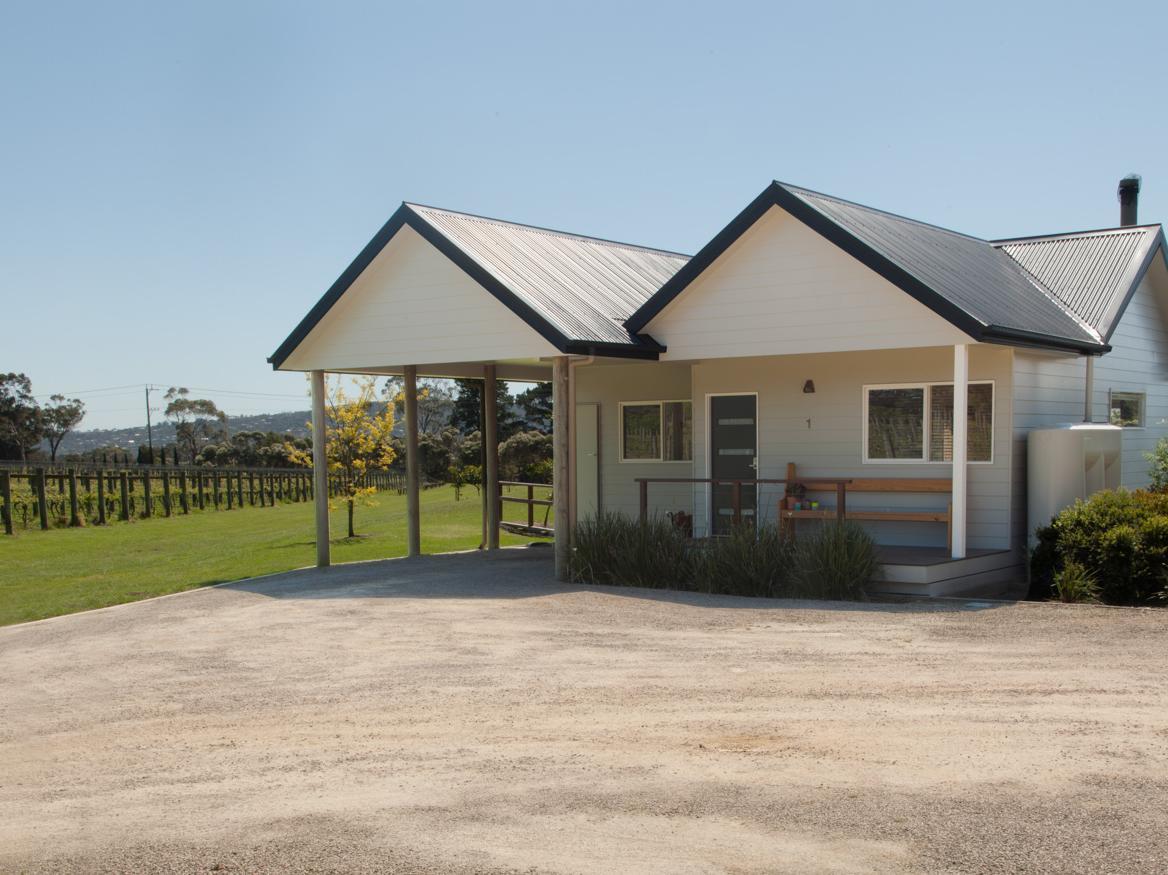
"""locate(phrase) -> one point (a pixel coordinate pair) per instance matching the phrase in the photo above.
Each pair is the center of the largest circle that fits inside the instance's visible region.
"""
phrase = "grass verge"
(44, 574)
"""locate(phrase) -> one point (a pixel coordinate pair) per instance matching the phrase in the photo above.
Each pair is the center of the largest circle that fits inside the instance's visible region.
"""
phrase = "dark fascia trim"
(778, 195)
(645, 347)
(1019, 337)
(1157, 247)
(649, 349)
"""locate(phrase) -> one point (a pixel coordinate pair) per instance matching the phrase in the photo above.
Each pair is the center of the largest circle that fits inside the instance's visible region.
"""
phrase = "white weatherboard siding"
(831, 446)
(1049, 389)
(608, 386)
(1138, 362)
(412, 305)
(783, 288)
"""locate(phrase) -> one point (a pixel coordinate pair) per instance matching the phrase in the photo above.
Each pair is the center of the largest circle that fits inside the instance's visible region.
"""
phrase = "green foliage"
(1074, 583)
(745, 562)
(526, 456)
(21, 419)
(1158, 466)
(1120, 539)
(614, 550)
(835, 562)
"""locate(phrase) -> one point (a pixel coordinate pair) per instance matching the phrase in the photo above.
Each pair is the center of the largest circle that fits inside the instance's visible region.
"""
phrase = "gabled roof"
(1093, 273)
(963, 279)
(575, 291)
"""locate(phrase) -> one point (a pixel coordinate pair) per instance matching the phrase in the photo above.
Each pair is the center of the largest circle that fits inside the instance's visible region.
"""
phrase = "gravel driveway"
(465, 713)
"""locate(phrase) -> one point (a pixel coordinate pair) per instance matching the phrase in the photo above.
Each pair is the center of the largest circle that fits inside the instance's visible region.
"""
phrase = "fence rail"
(75, 495)
(840, 485)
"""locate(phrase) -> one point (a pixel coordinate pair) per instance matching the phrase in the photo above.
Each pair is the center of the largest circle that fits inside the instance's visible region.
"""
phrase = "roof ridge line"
(1067, 235)
(544, 230)
(798, 188)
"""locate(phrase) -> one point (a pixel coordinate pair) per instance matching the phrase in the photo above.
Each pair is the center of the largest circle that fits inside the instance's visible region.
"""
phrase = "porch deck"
(931, 571)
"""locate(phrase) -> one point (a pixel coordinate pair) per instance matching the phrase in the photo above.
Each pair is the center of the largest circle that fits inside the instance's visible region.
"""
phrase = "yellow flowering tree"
(358, 441)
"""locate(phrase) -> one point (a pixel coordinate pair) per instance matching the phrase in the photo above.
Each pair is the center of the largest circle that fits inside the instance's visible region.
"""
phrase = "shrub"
(836, 562)
(1119, 538)
(745, 562)
(613, 549)
(1158, 466)
(1074, 583)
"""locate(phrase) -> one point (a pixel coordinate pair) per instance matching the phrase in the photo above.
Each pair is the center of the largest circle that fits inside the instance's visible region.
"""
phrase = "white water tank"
(1068, 462)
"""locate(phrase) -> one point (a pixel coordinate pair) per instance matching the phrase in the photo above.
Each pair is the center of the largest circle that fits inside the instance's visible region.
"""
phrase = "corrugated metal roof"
(585, 287)
(1090, 272)
(968, 272)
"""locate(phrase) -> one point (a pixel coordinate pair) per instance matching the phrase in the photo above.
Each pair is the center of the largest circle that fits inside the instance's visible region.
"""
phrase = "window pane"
(1127, 409)
(980, 423)
(896, 420)
(677, 417)
(642, 431)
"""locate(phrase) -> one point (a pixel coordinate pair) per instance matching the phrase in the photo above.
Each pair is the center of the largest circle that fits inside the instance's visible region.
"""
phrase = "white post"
(1089, 390)
(960, 445)
(320, 470)
(490, 438)
(560, 461)
(413, 487)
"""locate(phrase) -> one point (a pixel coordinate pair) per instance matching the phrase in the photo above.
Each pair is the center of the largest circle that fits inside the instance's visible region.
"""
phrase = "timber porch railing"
(532, 503)
(736, 490)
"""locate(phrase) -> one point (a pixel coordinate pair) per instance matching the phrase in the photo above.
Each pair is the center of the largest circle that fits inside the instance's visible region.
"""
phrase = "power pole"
(149, 430)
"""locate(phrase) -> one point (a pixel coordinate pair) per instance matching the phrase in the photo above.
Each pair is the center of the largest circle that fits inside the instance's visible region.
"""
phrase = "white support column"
(413, 484)
(560, 462)
(1089, 390)
(960, 446)
(320, 470)
(491, 446)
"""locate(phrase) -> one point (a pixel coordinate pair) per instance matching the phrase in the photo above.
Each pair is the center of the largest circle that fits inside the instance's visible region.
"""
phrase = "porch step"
(913, 571)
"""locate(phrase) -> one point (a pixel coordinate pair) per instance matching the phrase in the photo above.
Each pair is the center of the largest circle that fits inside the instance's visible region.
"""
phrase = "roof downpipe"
(1129, 200)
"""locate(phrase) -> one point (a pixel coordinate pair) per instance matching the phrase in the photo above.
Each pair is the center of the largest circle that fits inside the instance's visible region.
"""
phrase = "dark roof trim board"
(1129, 281)
(777, 194)
(645, 348)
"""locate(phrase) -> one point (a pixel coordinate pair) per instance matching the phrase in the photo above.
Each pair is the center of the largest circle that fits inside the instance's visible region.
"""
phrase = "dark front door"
(733, 456)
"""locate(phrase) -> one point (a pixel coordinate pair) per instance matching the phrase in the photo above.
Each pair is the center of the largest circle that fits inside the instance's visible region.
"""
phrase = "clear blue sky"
(181, 182)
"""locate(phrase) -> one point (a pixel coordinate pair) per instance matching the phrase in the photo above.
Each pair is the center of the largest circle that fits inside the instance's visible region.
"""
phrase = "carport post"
(560, 463)
(413, 506)
(319, 470)
(491, 446)
(960, 445)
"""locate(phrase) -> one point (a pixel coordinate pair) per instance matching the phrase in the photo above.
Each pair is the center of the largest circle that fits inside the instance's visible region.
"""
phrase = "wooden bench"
(874, 484)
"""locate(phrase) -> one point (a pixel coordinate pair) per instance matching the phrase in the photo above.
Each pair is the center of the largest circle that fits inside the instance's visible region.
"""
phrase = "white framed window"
(656, 431)
(1127, 408)
(913, 423)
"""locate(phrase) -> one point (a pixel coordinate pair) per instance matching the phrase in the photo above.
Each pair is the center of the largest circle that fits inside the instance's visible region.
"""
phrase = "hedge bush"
(836, 562)
(1119, 540)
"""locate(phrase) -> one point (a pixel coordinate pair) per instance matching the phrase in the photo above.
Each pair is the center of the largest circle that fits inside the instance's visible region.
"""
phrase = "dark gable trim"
(776, 195)
(1157, 248)
(647, 348)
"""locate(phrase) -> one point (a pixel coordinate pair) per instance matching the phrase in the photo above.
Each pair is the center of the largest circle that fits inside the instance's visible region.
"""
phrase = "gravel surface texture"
(465, 713)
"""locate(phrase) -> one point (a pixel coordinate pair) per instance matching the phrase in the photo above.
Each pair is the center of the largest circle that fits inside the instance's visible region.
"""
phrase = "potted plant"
(795, 493)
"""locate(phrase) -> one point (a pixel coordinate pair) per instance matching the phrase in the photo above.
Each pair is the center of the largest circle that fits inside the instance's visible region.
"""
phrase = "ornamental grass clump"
(836, 562)
(614, 550)
(746, 561)
(1075, 584)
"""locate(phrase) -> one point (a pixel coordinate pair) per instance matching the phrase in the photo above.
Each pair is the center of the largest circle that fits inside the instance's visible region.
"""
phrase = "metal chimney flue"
(1129, 200)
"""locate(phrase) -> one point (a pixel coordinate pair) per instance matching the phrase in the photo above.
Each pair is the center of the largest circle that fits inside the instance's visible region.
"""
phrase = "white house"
(812, 339)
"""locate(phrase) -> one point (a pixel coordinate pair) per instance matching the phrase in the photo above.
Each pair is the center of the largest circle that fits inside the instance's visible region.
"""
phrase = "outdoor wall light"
(809, 387)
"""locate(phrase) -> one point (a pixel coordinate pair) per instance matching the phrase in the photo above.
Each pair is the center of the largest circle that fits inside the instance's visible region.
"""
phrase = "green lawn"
(43, 574)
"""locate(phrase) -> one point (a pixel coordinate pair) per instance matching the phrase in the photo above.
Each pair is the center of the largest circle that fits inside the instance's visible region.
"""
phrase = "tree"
(255, 449)
(467, 402)
(357, 441)
(435, 402)
(197, 421)
(60, 416)
(21, 422)
(536, 403)
(526, 456)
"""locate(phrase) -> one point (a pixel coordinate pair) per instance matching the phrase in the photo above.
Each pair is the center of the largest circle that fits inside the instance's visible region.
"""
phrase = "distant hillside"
(130, 438)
